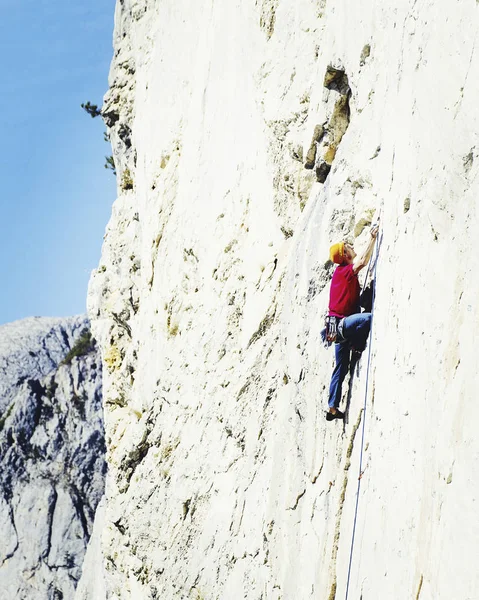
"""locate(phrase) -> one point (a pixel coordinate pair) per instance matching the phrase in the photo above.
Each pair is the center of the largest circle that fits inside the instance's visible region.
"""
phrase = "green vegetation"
(126, 180)
(94, 111)
(91, 109)
(84, 345)
(110, 164)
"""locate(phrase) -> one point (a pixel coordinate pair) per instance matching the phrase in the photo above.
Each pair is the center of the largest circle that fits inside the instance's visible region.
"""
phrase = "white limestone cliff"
(225, 481)
(51, 455)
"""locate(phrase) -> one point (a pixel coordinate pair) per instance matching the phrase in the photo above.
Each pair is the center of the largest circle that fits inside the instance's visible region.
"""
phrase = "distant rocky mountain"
(52, 454)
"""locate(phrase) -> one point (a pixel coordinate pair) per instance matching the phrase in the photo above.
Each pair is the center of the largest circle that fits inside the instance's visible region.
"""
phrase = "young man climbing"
(348, 326)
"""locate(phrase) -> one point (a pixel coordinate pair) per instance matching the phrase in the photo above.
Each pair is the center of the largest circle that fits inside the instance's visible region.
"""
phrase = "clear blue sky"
(56, 195)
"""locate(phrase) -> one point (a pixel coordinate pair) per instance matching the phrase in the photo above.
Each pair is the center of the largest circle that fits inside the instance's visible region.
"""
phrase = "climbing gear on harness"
(340, 337)
(334, 329)
(331, 328)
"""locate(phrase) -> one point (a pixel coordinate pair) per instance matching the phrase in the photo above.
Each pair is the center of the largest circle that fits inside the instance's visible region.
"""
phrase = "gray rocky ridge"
(52, 455)
(248, 137)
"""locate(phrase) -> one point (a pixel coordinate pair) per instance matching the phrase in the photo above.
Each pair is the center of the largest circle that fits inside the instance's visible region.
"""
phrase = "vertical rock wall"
(248, 137)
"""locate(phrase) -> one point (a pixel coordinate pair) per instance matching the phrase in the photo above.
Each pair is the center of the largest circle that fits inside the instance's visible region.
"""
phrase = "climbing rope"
(375, 255)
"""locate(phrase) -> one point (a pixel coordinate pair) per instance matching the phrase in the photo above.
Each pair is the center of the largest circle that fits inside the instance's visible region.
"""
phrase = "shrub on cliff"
(91, 109)
(110, 164)
(94, 111)
(84, 345)
(126, 180)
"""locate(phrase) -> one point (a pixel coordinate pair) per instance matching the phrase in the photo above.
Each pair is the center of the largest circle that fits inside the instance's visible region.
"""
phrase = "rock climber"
(349, 326)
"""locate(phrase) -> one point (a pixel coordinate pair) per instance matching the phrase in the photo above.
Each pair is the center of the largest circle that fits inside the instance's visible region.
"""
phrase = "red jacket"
(344, 292)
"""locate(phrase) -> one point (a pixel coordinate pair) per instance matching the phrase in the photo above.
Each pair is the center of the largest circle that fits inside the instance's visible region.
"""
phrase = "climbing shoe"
(337, 415)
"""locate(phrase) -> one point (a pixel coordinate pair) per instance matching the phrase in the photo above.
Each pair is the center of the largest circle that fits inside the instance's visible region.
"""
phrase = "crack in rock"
(297, 501)
(339, 514)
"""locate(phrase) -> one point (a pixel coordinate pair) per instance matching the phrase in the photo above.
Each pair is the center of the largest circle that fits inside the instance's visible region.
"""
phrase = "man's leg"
(356, 329)
(340, 370)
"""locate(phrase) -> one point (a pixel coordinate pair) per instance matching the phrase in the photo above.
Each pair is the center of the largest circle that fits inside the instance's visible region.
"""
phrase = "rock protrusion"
(327, 137)
(311, 155)
(337, 80)
(365, 53)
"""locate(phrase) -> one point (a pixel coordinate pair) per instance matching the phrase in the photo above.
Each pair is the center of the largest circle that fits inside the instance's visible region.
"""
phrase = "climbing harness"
(334, 329)
(361, 470)
(331, 328)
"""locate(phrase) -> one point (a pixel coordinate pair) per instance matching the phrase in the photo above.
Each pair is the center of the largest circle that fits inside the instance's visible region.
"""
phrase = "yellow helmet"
(336, 253)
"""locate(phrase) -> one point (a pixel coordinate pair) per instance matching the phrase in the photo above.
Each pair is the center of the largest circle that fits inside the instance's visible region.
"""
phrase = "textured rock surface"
(226, 482)
(52, 456)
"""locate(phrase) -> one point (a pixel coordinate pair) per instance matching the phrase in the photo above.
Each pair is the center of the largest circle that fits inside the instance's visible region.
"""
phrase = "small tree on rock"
(110, 164)
(91, 109)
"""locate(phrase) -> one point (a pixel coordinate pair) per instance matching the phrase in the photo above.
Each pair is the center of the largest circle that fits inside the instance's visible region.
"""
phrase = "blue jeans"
(355, 331)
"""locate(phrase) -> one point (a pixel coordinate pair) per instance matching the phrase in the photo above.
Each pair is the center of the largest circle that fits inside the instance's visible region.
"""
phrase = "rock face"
(249, 136)
(52, 455)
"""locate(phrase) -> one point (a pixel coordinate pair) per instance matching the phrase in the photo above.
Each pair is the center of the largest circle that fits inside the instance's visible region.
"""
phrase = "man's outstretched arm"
(363, 260)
